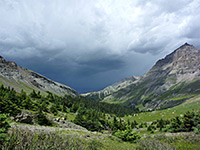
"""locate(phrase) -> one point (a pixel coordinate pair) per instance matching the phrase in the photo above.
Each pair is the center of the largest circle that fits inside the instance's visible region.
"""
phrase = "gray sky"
(89, 44)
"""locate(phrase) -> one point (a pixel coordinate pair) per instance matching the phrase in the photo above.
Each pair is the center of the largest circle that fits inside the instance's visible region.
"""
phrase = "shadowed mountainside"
(19, 78)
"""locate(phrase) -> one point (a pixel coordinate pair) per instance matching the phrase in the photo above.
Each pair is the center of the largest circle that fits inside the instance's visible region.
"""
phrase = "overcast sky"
(89, 44)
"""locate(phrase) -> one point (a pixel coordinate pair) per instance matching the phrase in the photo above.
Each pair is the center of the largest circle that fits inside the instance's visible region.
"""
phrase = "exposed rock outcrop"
(63, 123)
(31, 118)
(25, 117)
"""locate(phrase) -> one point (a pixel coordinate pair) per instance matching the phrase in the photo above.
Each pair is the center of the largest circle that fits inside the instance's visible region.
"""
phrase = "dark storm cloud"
(90, 44)
(81, 75)
(92, 67)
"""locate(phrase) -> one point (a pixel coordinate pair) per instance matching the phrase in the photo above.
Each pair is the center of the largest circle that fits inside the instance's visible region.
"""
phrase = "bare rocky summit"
(171, 81)
(19, 78)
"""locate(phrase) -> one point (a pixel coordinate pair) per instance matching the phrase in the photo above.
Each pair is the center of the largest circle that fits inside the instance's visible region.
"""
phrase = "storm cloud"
(90, 44)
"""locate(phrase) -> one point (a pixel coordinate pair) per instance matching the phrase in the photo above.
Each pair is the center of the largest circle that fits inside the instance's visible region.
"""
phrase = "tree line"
(12, 102)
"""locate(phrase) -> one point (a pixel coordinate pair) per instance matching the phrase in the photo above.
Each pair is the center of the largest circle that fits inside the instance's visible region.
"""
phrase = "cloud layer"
(90, 44)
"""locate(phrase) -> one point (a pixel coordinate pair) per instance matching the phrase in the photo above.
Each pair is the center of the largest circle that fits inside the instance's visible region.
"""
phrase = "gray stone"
(25, 117)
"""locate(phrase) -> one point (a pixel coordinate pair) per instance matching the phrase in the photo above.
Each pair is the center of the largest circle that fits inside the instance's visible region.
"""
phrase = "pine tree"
(188, 121)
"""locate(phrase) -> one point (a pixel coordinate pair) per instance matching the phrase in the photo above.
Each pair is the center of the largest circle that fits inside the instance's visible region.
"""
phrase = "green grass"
(138, 90)
(71, 116)
(16, 84)
(108, 141)
(19, 85)
(189, 141)
(192, 104)
(173, 79)
(26, 87)
(27, 138)
(181, 98)
(6, 80)
(173, 89)
(114, 101)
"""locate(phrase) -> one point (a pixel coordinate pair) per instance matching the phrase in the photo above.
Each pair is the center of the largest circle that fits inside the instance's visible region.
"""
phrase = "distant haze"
(89, 44)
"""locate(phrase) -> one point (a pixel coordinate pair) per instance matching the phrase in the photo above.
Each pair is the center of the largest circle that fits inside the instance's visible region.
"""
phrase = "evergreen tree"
(188, 121)
(175, 125)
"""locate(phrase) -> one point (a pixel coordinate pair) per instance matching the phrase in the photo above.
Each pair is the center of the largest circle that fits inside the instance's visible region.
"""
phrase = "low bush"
(4, 126)
(41, 119)
(127, 135)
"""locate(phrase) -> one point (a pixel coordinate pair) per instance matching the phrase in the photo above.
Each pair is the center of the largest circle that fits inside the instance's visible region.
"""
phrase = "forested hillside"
(93, 115)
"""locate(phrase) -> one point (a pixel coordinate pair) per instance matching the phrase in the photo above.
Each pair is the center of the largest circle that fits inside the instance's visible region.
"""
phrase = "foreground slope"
(170, 82)
(19, 78)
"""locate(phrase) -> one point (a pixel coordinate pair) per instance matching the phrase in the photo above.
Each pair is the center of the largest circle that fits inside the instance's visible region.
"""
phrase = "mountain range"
(170, 82)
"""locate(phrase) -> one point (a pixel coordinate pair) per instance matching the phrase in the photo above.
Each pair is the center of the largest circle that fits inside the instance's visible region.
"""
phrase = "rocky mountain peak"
(186, 44)
(10, 64)
(181, 65)
(185, 51)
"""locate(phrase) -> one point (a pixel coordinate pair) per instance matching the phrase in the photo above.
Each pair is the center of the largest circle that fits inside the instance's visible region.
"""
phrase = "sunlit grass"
(191, 105)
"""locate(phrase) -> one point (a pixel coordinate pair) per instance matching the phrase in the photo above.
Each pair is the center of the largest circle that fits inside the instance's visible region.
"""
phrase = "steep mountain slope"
(19, 78)
(169, 82)
(99, 95)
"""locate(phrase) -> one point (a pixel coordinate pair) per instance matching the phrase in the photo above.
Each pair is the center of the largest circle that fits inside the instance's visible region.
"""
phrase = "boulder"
(25, 117)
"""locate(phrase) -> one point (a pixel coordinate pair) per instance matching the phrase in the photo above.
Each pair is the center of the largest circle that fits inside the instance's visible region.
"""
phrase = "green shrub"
(53, 109)
(196, 129)
(127, 135)
(41, 119)
(189, 122)
(151, 128)
(4, 126)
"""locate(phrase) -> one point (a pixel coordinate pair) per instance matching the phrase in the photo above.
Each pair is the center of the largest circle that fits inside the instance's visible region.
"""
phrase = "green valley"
(159, 110)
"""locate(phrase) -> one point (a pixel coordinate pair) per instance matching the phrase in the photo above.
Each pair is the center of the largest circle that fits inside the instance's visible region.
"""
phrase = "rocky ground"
(38, 128)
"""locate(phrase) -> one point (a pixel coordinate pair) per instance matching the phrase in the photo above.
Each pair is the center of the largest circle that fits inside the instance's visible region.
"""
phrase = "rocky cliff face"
(171, 81)
(183, 64)
(19, 78)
